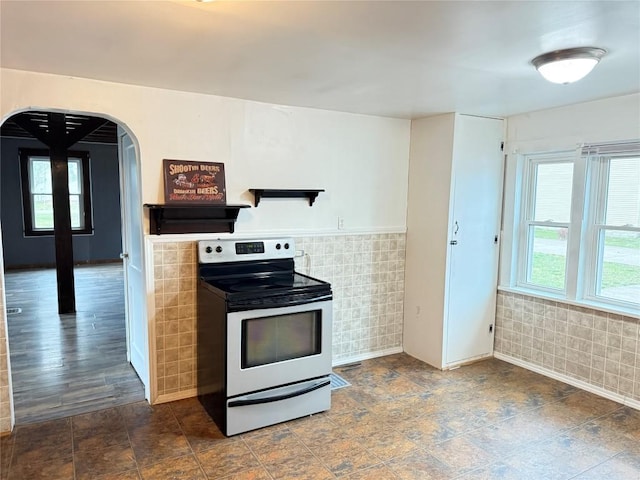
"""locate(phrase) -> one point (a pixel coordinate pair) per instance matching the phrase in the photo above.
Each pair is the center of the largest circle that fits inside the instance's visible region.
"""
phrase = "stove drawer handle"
(277, 398)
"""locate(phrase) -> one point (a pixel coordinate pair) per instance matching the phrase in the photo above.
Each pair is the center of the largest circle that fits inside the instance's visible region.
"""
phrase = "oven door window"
(274, 339)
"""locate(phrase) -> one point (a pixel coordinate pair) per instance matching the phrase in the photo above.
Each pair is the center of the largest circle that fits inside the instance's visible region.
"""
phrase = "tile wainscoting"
(590, 348)
(174, 316)
(366, 273)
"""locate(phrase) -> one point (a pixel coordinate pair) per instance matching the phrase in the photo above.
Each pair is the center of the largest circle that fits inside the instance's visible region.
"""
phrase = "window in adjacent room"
(37, 192)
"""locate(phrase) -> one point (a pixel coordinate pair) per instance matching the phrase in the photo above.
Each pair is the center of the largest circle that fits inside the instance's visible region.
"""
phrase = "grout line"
(563, 431)
(126, 429)
(13, 449)
(528, 445)
(309, 450)
(262, 465)
(595, 466)
(193, 452)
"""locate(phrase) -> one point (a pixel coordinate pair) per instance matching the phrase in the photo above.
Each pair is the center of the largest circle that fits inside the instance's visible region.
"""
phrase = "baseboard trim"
(630, 402)
(81, 263)
(367, 356)
(172, 397)
(464, 363)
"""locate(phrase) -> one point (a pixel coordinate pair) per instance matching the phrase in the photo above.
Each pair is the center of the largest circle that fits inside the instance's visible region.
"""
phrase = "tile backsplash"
(174, 272)
(366, 273)
(594, 347)
(367, 277)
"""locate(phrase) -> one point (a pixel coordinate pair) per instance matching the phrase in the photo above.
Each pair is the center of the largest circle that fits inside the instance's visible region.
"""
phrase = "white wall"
(565, 128)
(361, 161)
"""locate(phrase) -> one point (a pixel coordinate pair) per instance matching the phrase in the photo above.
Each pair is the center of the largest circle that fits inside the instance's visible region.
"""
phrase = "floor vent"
(337, 381)
(13, 310)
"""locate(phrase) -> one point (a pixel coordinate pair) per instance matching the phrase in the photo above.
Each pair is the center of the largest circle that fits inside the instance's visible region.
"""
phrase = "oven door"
(271, 347)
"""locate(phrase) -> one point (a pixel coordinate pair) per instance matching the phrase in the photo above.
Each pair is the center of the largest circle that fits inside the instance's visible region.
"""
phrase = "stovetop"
(256, 273)
(294, 281)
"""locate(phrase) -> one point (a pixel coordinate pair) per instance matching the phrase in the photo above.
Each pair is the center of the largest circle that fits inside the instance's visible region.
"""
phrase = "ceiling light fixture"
(569, 65)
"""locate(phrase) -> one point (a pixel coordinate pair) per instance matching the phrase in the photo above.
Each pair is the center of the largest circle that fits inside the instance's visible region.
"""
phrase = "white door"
(133, 259)
(473, 250)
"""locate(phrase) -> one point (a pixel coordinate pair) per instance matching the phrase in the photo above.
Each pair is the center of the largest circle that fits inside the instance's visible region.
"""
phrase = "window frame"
(588, 206)
(596, 226)
(527, 219)
(25, 155)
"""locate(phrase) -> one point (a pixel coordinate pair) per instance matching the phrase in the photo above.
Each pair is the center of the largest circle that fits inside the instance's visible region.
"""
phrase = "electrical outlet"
(340, 223)
(299, 253)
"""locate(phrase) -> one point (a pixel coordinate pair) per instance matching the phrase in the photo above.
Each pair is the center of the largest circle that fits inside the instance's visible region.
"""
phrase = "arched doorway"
(68, 362)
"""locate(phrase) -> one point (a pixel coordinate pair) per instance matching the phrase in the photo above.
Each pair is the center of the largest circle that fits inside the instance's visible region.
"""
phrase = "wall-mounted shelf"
(192, 218)
(259, 193)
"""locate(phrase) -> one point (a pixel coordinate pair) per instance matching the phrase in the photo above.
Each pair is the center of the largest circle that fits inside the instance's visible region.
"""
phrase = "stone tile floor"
(400, 419)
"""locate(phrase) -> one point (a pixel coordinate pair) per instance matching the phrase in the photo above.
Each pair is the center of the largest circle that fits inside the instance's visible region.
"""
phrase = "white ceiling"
(396, 58)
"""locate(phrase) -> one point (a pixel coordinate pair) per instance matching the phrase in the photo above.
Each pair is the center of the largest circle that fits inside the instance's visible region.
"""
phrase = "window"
(579, 230)
(546, 222)
(614, 228)
(37, 192)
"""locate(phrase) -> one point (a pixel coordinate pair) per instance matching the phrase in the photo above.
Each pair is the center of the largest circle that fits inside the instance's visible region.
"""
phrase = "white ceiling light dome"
(569, 65)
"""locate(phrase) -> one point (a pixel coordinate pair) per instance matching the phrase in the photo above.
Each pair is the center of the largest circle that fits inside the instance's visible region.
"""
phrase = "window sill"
(627, 312)
(49, 233)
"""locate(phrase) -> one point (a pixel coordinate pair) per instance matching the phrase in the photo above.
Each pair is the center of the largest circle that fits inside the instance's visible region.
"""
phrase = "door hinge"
(502, 146)
(491, 328)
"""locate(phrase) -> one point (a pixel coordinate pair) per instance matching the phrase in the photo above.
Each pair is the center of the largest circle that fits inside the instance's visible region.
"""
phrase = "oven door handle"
(277, 398)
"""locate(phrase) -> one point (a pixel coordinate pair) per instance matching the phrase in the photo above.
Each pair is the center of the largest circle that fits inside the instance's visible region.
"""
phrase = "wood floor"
(64, 365)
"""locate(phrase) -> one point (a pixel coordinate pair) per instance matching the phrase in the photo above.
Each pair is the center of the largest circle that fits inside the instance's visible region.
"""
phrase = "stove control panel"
(232, 250)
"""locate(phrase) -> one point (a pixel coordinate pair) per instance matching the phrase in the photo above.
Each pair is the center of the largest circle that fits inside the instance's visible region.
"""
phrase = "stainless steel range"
(264, 335)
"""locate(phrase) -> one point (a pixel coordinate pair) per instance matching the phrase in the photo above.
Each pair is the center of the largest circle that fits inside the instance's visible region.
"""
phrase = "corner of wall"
(7, 419)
